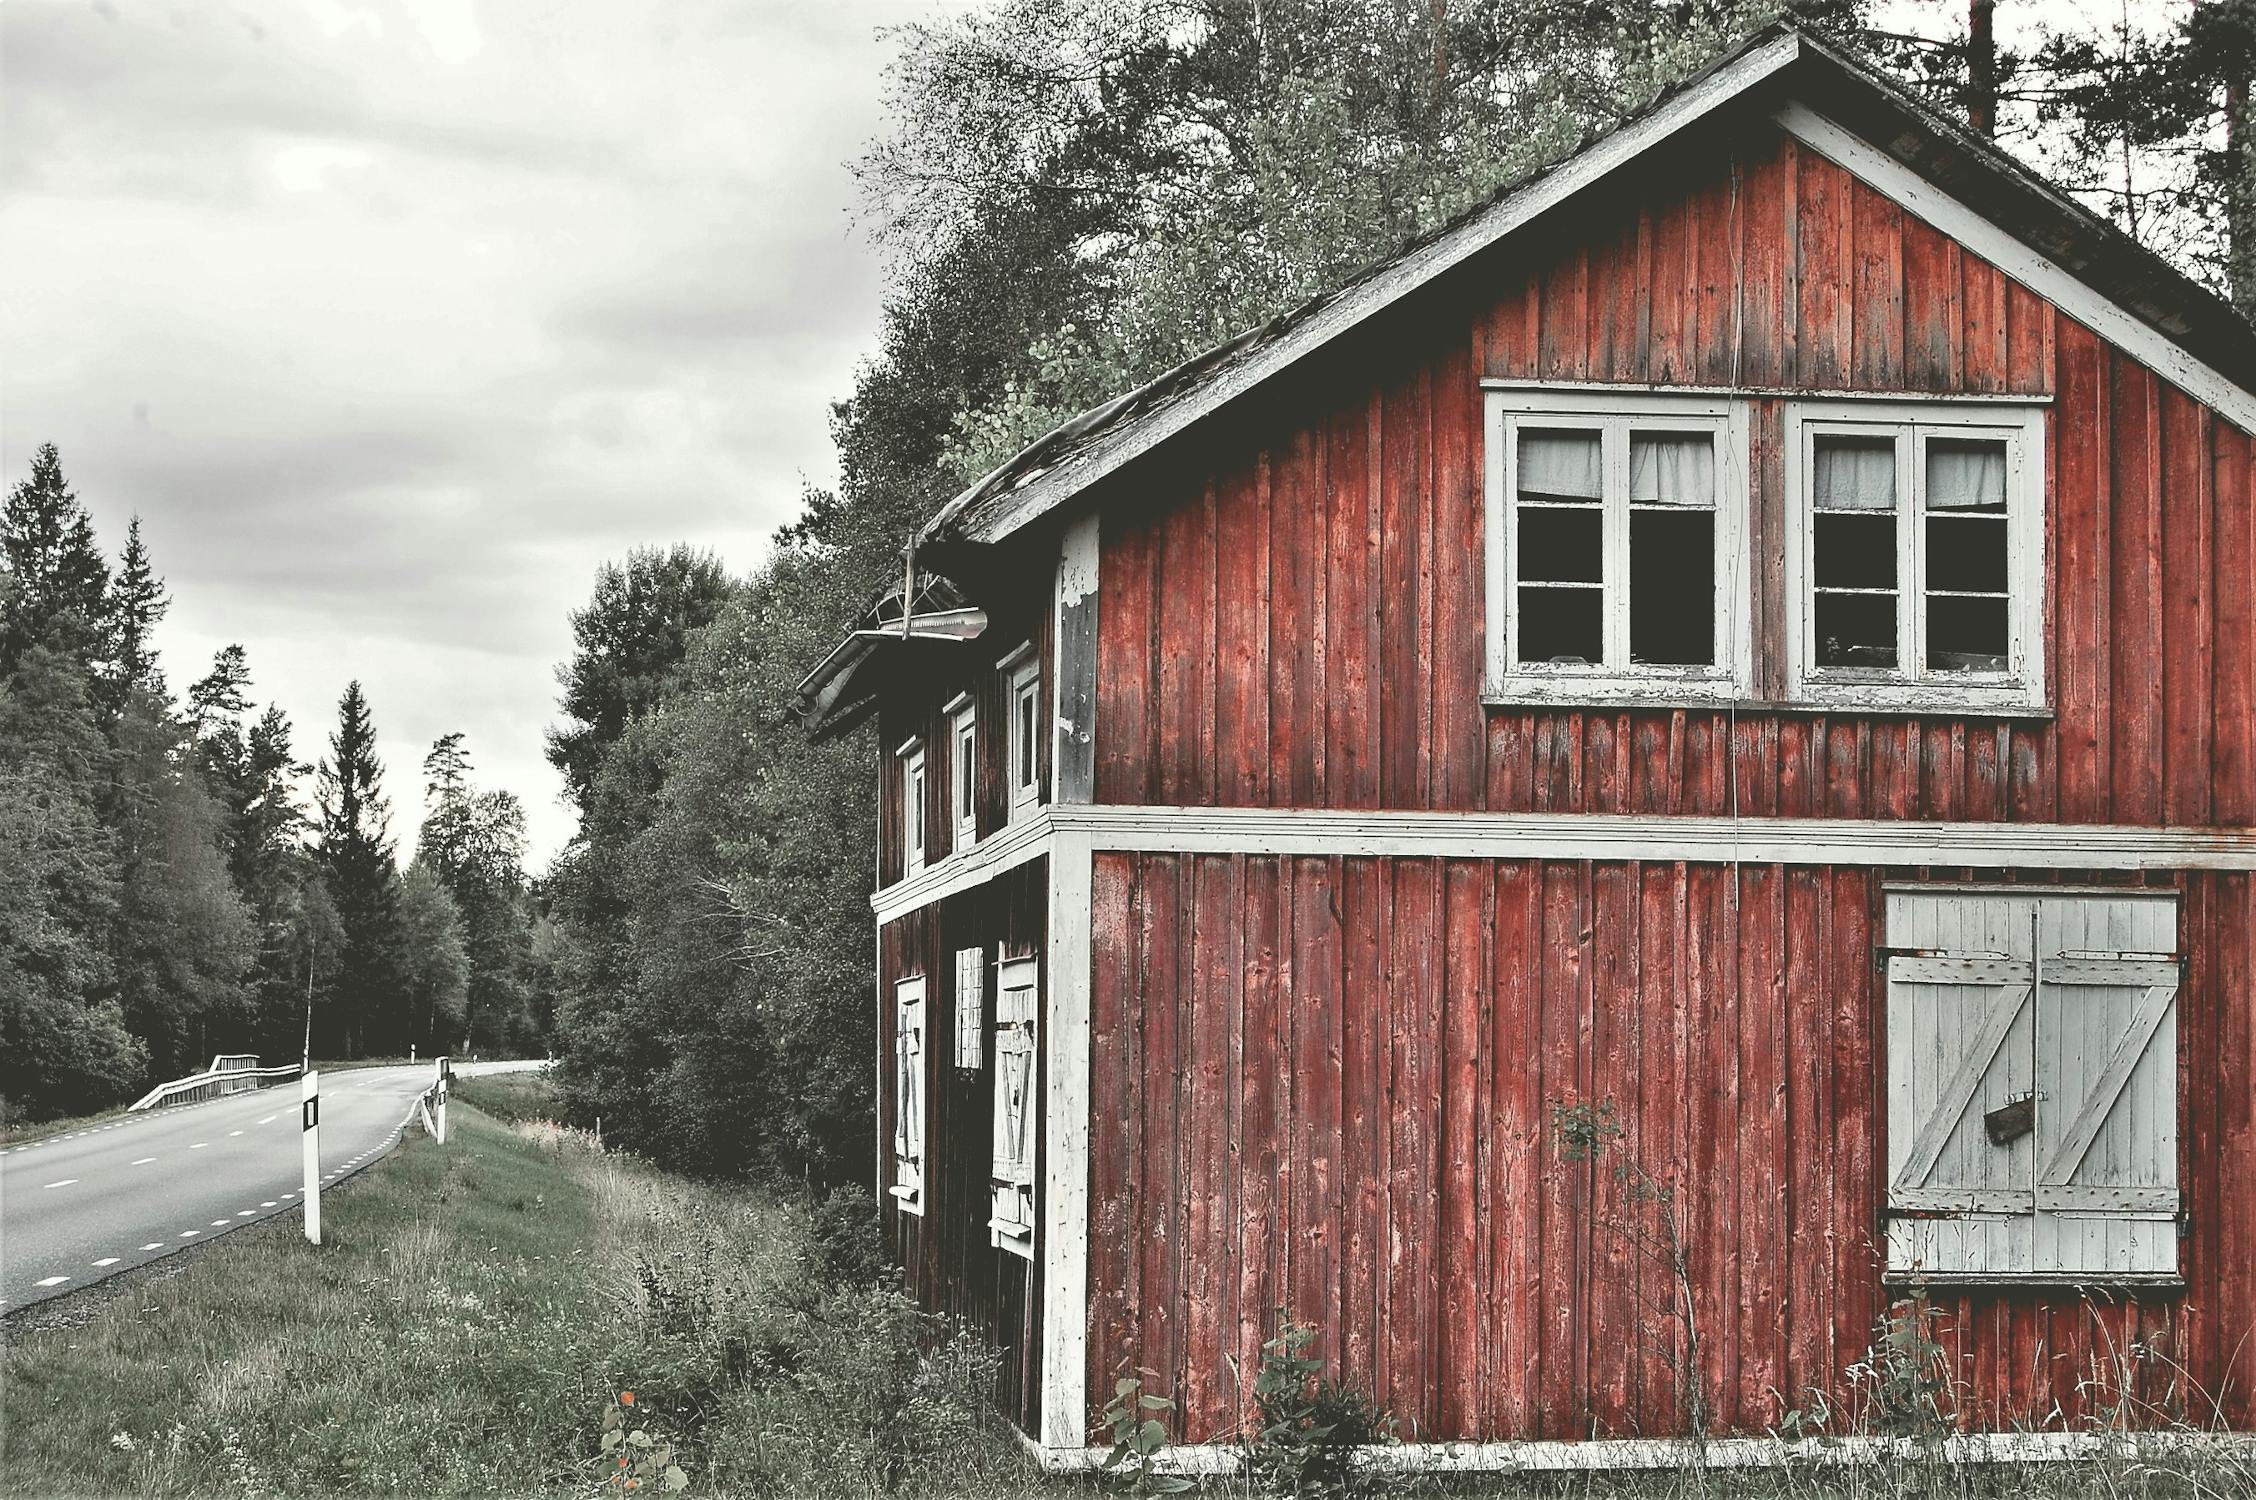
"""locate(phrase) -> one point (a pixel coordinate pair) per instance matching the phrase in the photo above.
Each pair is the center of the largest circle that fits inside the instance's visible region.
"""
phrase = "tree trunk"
(1981, 67)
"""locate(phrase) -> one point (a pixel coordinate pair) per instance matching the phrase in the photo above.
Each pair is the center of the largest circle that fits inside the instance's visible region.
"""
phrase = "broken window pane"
(1561, 544)
(1562, 626)
(1671, 468)
(1966, 634)
(1853, 473)
(1853, 551)
(1672, 587)
(1966, 554)
(1556, 465)
(1856, 630)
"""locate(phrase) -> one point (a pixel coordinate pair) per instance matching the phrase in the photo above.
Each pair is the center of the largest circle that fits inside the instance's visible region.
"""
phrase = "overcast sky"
(391, 320)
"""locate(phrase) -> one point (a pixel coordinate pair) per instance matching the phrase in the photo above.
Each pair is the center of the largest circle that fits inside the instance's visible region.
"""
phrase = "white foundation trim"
(1064, 1209)
(2056, 284)
(1604, 1454)
(1793, 841)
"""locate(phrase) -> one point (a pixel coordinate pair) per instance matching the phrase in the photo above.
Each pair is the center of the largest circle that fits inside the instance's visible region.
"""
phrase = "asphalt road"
(78, 1208)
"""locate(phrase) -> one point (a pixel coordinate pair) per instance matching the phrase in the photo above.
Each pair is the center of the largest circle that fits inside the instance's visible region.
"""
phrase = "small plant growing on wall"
(1314, 1428)
(1652, 1225)
(1904, 1375)
(1139, 1439)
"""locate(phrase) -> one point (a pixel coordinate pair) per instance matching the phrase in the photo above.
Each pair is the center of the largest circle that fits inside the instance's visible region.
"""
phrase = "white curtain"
(1676, 468)
(1963, 475)
(1560, 463)
(1853, 474)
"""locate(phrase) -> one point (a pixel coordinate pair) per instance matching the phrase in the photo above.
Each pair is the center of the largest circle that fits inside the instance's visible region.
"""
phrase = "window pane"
(1966, 635)
(1856, 630)
(1853, 551)
(1966, 553)
(1966, 474)
(1853, 473)
(1562, 625)
(1026, 772)
(1559, 465)
(1560, 545)
(1671, 468)
(1672, 587)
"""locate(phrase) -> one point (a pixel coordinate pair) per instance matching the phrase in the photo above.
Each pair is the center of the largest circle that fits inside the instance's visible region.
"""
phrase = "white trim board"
(1600, 1455)
(1064, 1209)
(1918, 196)
(1046, 488)
(1008, 847)
(1579, 836)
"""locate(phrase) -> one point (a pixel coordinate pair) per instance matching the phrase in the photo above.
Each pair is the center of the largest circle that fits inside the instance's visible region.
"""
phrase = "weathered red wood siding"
(952, 1269)
(1327, 1085)
(1291, 608)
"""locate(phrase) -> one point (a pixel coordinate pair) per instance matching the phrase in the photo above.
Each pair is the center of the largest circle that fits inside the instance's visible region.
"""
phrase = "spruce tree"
(355, 853)
(136, 603)
(60, 597)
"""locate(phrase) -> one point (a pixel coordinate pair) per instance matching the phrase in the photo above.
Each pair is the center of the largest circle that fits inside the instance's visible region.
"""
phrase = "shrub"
(1313, 1427)
(849, 1238)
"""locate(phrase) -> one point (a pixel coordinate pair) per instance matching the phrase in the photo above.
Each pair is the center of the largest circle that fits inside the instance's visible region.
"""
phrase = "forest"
(167, 892)
(1071, 196)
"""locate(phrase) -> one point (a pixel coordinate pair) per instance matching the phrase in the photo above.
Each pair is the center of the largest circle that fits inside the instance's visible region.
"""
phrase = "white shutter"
(1961, 1043)
(1010, 1222)
(2107, 1066)
(908, 1094)
(971, 1006)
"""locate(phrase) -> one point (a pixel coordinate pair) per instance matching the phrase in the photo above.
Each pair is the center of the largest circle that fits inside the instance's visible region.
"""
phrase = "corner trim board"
(1064, 1209)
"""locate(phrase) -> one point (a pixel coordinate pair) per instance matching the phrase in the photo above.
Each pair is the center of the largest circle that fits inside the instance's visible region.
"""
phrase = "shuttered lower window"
(908, 1094)
(1010, 1222)
(2032, 1086)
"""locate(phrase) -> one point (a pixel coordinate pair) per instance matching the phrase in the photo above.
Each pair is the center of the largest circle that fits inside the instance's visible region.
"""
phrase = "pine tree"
(61, 593)
(136, 603)
(355, 853)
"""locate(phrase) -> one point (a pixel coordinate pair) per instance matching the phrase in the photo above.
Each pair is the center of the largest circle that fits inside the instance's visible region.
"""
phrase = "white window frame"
(963, 769)
(971, 1008)
(1616, 415)
(914, 834)
(1912, 687)
(1014, 1186)
(911, 1091)
(1022, 677)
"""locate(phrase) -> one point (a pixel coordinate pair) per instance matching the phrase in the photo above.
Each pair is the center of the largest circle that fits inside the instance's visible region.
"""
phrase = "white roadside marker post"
(439, 1082)
(309, 1133)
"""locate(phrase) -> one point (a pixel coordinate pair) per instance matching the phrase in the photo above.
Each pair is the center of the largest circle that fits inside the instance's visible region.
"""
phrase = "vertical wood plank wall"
(1327, 1085)
(1292, 614)
(952, 1269)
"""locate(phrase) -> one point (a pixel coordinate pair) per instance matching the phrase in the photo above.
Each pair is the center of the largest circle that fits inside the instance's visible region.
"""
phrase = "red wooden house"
(1755, 627)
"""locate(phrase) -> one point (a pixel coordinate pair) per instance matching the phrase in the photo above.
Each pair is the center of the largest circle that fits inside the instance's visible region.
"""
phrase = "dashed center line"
(234, 1132)
(66, 1182)
(200, 1145)
(270, 1119)
(144, 1161)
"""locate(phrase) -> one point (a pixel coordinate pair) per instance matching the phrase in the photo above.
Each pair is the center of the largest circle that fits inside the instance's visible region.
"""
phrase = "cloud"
(394, 318)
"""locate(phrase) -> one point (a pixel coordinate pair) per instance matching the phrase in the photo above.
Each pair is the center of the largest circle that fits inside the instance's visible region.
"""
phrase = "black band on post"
(309, 1112)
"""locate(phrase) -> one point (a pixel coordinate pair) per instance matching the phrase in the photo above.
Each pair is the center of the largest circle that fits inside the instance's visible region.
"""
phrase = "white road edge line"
(200, 1145)
(54, 1281)
(144, 1161)
(154, 1245)
(270, 1119)
(107, 1260)
(66, 1182)
(189, 1234)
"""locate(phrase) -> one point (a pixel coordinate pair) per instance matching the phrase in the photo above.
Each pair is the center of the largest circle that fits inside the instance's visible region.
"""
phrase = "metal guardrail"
(229, 1073)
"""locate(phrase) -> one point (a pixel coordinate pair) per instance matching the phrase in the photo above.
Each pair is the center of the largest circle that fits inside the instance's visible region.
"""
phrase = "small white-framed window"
(1914, 570)
(908, 1094)
(913, 800)
(1018, 1105)
(1023, 700)
(1616, 547)
(971, 1006)
(963, 770)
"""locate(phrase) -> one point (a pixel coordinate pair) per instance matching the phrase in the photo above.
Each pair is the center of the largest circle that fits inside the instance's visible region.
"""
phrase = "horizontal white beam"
(1610, 1454)
(1007, 849)
(1791, 841)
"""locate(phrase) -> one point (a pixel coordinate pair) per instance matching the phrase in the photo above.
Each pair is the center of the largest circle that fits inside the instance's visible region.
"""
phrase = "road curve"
(78, 1208)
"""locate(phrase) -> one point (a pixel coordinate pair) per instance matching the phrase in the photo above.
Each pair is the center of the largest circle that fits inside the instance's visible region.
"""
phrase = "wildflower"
(626, 1398)
(122, 1441)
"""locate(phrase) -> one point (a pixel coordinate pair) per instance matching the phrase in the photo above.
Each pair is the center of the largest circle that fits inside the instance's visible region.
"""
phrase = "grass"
(16, 1132)
(479, 1308)
(515, 1097)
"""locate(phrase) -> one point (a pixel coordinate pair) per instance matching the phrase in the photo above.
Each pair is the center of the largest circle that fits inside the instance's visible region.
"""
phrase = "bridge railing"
(229, 1073)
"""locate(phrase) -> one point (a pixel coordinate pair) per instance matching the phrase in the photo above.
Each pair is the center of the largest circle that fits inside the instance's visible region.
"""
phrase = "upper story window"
(1915, 554)
(963, 771)
(1023, 700)
(1615, 547)
(912, 807)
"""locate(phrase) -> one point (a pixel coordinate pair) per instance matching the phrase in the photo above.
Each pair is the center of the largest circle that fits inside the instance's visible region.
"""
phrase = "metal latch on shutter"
(2009, 1122)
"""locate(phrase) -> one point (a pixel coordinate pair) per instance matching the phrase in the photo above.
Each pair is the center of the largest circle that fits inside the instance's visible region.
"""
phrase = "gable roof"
(1832, 103)
(2193, 336)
